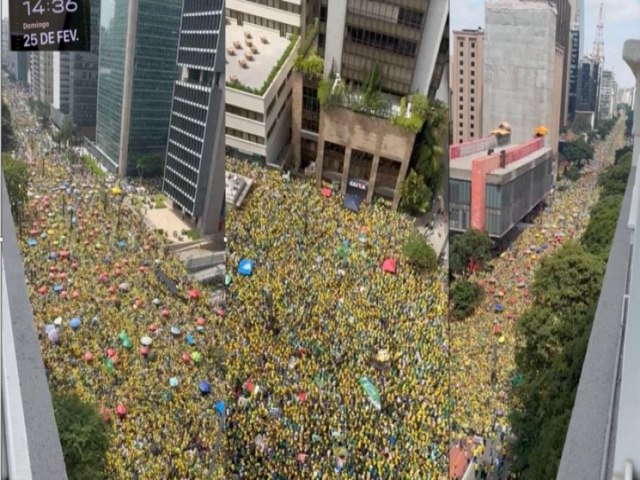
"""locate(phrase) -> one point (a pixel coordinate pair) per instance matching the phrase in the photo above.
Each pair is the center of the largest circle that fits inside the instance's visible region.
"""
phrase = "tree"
(67, 132)
(83, 436)
(415, 195)
(568, 281)
(465, 296)
(7, 129)
(614, 180)
(16, 177)
(599, 234)
(150, 165)
(577, 152)
(419, 252)
(473, 246)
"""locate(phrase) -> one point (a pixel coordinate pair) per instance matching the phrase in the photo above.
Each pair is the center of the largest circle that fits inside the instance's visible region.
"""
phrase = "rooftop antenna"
(598, 41)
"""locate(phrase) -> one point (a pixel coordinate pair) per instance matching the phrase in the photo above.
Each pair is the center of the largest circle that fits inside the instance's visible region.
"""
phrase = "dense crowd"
(114, 333)
(320, 363)
(483, 345)
(318, 329)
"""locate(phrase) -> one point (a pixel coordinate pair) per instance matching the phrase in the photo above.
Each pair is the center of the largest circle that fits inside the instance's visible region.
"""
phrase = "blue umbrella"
(245, 267)
(74, 323)
(49, 328)
(220, 407)
(190, 339)
(173, 381)
(205, 387)
(57, 288)
(122, 244)
(32, 242)
(499, 307)
(53, 255)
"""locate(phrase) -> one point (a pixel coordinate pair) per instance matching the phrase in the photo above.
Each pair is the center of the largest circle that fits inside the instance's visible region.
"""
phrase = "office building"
(61, 77)
(137, 70)
(41, 80)
(563, 54)
(194, 175)
(522, 66)
(261, 42)
(15, 63)
(467, 78)
(608, 94)
(627, 95)
(404, 41)
(495, 183)
(589, 78)
(574, 70)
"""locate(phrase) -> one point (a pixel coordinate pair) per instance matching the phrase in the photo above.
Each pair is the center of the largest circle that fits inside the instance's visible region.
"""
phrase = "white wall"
(336, 20)
(429, 45)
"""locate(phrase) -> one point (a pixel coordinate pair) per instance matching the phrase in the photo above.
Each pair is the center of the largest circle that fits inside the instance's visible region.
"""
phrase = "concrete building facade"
(519, 69)
(589, 78)
(194, 176)
(258, 103)
(608, 94)
(493, 192)
(574, 68)
(365, 154)
(137, 70)
(467, 80)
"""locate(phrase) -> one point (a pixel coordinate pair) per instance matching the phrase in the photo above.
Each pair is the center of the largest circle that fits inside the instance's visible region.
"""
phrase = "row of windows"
(189, 110)
(200, 59)
(473, 64)
(243, 112)
(193, 95)
(187, 125)
(184, 155)
(186, 141)
(382, 41)
(199, 40)
(244, 135)
(202, 22)
(473, 44)
(279, 4)
(180, 198)
(191, 6)
(178, 169)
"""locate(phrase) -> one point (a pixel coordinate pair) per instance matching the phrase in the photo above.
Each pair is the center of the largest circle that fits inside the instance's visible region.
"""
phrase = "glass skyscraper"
(194, 176)
(137, 68)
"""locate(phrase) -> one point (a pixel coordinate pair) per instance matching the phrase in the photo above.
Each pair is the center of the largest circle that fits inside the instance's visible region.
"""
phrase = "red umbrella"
(249, 385)
(144, 350)
(194, 294)
(111, 352)
(200, 321)
(186, 357)
(88, 357)
(64, 254)
(153, 327)
(389, 265)
(326, 192)
(302, 396)
(75, 294)
(165, 312)
(121, 410)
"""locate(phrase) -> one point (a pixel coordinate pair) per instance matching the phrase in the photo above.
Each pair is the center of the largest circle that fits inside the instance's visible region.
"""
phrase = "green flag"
(372, 392)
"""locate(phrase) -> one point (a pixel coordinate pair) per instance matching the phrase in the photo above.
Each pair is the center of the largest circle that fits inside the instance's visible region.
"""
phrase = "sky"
(621, 22)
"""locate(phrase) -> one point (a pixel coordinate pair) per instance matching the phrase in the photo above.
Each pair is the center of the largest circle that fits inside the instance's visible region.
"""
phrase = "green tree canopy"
(602, 225)
(464, 298)
(67, 132)
(83, 436)
(415, 195)
(16, 176)
(150, 164)
(419, 252)
(614, 180)
(568, 281)
(471, 246)
(578, 152)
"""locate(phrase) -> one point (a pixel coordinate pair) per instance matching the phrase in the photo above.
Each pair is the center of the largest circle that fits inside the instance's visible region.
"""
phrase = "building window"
(473, 64)
(473, 44)
(473, 108)
(473, 54)
(472, 117)
(472, 126)
(461, 72)
(471, 134)
(473, 73)
(472, 100)
(462, 43)
(461, 124)
(461, 99)
(461, 116)
(461, 62)
(473, 90)
(461, 89)
(473, 82)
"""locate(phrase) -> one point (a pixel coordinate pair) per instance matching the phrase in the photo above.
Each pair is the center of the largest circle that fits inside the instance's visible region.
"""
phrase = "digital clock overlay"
(50, 25)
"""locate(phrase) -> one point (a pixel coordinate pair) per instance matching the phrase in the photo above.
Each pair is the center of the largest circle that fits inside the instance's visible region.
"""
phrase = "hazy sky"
(621, 22)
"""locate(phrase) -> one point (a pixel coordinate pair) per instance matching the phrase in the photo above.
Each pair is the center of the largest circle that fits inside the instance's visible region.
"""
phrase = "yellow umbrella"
(541, 131)
(116, 190)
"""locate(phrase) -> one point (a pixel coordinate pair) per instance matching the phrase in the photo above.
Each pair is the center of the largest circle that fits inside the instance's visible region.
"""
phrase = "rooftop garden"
(368, 99)
(308, 61)
(236, 84)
